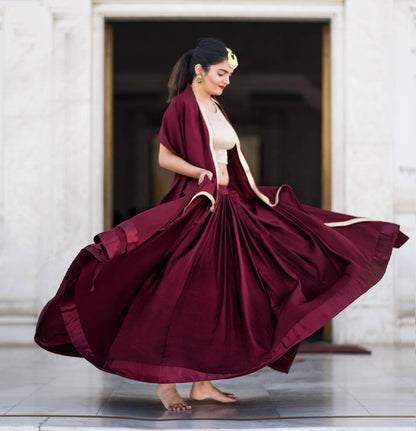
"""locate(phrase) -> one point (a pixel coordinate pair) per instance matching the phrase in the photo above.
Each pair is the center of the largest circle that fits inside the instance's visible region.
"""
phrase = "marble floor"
(43, 391)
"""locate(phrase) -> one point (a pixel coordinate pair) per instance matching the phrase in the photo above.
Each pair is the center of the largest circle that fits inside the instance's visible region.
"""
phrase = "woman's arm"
(174, 163)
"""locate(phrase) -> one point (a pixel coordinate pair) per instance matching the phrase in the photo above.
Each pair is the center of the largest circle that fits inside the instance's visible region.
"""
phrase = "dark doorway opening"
(274, 103)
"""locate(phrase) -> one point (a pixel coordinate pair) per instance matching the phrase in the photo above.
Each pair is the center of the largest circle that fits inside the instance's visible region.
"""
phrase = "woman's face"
(217, 78)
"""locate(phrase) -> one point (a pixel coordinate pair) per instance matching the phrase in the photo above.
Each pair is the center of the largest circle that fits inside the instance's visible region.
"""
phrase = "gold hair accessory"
(232, 59)
(199, 78)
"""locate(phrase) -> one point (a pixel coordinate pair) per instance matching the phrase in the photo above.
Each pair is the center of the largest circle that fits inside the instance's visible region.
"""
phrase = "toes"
(177, 407)
(173, 407)
(186, 407)
(229, 395)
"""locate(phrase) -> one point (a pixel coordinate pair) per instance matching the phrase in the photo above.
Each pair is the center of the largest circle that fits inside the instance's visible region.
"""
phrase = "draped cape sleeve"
(185, 134)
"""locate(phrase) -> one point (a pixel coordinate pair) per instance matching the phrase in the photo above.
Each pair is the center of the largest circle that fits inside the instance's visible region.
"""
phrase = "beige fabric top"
(224, 136)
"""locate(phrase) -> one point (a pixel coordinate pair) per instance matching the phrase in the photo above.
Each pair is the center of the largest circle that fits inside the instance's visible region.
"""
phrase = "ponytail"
(209, 51)
(181, 75)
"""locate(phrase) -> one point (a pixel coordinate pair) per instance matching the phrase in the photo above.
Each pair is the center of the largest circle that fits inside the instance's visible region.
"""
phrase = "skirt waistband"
(223, 189)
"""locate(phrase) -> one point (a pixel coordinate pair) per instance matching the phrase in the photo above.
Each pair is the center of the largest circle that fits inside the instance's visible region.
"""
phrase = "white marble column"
(405, 166)
(25, 139)
(45, 154)
(69, 217)
(369, 151)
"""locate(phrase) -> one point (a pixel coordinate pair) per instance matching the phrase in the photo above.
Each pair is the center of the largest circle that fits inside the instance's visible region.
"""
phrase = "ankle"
(165, 387)
(202, 384)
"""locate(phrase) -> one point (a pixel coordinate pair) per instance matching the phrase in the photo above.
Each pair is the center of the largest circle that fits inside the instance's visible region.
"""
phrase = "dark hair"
(209, 51)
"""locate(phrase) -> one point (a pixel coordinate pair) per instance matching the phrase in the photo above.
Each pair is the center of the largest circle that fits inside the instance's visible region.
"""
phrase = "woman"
(221, 279)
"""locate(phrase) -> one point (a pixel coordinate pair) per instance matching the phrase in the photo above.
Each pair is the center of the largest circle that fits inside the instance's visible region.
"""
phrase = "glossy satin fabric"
(180, 293)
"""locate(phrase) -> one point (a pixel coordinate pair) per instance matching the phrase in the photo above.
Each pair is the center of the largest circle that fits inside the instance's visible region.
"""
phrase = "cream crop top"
(224, 136)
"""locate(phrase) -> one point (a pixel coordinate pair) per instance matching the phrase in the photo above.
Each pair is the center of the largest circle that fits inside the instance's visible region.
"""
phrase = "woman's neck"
(200, 94)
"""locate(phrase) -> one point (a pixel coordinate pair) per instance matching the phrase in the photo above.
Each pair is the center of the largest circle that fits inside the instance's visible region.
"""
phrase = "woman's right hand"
(202, 175)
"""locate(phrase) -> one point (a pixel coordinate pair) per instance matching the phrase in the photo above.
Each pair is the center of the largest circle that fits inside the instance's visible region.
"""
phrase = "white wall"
(405, 165)
(379, 138)
(45, 198)
(369, 132)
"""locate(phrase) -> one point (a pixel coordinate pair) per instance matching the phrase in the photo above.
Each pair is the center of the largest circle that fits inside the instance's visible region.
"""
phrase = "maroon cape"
(215, 282)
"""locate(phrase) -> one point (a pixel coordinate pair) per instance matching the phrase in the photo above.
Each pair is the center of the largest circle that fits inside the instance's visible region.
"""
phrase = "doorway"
(274, 102)
(278, 103)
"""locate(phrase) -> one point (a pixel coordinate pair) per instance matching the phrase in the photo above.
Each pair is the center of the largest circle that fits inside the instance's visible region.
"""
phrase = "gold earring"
(199, 78)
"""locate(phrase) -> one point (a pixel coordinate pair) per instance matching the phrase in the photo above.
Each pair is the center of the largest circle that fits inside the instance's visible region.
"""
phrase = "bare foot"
(206, 390)
(170, 398)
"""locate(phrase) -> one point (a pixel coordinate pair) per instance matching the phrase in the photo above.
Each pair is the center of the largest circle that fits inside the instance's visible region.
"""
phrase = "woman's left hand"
(204, 172)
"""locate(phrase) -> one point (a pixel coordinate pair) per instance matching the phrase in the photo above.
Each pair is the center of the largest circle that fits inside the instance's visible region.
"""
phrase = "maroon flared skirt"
(180, 293)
